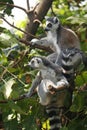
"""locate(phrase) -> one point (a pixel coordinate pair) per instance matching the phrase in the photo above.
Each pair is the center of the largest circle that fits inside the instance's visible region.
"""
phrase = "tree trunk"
(37, 13)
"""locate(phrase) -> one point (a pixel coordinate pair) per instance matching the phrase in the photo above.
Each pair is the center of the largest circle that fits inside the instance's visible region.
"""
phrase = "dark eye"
(32, 61)
(49, 25)
(38, 61)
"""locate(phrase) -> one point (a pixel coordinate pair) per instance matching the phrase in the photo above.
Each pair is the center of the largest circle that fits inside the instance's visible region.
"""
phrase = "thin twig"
(36, 6)
(28, 5)
(12, 5)
(26, 42)
(17, 99)
(18, 28)
(12, 75)
(26, 11)
(52, 11)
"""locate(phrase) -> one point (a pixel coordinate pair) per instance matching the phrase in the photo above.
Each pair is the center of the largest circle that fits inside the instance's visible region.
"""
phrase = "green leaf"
(11, 124)
(64, 128)
(8, 9)
(79, 102)
(8, 88)
(3, 59)
(78, 124)
(16, 108)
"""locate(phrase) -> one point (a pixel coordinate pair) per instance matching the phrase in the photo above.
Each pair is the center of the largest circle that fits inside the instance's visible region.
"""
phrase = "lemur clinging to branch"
(49, 83)
(68, 62)
(48, 72)
(52, 78)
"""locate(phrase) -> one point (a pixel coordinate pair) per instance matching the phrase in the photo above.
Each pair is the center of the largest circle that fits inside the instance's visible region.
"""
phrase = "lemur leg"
(62, 84)
(35, 83)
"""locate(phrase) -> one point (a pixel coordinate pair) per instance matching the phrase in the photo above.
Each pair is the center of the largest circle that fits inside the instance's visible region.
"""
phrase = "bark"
(37, 13)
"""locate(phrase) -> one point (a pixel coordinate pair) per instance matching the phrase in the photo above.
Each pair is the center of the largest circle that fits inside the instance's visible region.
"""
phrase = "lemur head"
(42, 63)
(51, 23)
(36, 63)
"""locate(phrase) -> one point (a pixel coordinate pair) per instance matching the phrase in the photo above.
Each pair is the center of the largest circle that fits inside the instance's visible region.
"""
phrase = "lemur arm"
(42, 41)
(35, 83)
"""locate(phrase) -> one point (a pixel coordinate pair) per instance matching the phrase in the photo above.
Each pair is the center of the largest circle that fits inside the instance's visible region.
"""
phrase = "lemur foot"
(51, 89)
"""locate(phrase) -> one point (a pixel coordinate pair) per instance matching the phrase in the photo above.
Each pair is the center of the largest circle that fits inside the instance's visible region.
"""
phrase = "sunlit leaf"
(8, 88)
(16, 108)
(79, 102)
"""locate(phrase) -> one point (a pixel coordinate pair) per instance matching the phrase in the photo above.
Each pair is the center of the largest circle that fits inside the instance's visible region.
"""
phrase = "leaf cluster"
(5, 8)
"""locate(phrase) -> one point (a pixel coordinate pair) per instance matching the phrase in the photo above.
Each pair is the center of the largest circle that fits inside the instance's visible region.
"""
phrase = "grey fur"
(49, 74)
(58, 37)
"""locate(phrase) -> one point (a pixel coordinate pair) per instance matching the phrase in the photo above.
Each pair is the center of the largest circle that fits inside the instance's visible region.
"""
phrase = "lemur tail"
(84, 58)
(54, 117)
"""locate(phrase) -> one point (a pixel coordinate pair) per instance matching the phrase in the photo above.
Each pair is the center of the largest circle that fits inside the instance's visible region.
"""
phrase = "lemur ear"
(46, 17)
(56, 20)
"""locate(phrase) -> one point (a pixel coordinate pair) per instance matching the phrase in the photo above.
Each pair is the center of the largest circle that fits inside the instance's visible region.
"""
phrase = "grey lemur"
(63, 37)
(51, 88)
(49, 75)
(58, 37)
(69, 61)
(51, 79)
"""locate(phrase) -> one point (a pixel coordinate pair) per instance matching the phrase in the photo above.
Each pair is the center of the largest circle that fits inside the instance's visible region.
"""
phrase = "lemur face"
(36, 62)
(52, 24)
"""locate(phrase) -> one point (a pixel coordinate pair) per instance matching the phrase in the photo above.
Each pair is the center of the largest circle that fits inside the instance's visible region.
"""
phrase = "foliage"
(16, 77)
(5, 8)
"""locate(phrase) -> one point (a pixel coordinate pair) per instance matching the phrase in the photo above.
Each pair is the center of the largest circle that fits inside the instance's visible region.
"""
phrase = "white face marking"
(35, 62)
(51, 26)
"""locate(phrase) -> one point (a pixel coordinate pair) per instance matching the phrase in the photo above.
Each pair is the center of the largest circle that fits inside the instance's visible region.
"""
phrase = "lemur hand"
(34, 41)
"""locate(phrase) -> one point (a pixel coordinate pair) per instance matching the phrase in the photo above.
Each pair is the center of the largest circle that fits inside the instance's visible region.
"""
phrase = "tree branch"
(38, 13)
(12, 5)
(6, 70)
(26, 42)
(28, 5)
(26, 11)
(52, 11)
(17, 99)
(24, 97)
(36, 46)
(18, 28)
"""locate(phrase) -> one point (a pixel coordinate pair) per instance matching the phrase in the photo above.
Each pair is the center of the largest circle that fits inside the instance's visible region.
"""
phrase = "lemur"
(48, 72)
(51, 88)
(50, 80)
(58, 37)
(69, 60)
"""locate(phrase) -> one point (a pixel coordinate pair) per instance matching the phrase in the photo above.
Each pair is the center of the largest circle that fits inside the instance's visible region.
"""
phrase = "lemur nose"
(46, 29)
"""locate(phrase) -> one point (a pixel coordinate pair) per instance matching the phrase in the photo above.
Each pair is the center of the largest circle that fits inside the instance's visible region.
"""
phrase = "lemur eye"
(38, 61)
(49, 25)
(32, 61)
